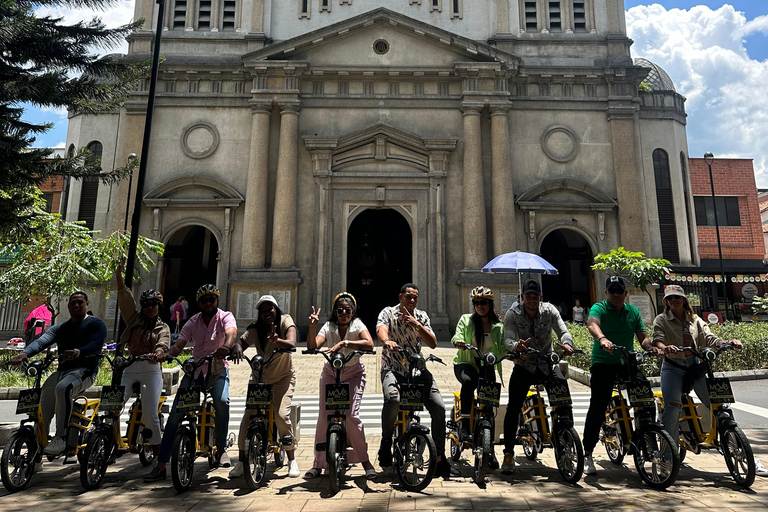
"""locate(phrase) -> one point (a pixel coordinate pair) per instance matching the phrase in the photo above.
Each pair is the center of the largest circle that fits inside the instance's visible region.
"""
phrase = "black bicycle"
(337, 399)
(652, 448)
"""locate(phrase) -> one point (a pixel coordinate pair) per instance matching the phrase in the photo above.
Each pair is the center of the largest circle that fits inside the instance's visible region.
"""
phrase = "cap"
(266, 298)
(673, 289)
(615, 281)
(531, 286)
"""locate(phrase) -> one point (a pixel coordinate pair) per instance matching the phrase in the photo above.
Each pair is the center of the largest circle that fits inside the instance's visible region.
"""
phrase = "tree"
(50, 64)
(637, 268)
(59, 258)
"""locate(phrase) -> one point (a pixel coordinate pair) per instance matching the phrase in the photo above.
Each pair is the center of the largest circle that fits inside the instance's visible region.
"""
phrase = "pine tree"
(48, 63)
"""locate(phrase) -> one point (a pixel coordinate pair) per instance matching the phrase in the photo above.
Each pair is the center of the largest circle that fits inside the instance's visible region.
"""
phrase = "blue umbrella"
(518, 262)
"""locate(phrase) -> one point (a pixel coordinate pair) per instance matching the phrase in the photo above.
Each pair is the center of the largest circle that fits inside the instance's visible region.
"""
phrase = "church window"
(436, 5)
(325, 5)
(579, 16)
(304, 9)
(457, 9)
(380, 46)
(531, 16)
(665, 206)
(179, 15)
(204, 15)
(684, 174)
(90, 190)
(555, 18)
(228, 15)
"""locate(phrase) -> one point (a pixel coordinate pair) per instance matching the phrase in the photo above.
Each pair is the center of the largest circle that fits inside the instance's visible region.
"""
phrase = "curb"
(583, 376)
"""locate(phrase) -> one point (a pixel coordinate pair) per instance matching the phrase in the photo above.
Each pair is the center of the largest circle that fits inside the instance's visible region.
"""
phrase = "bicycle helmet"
(344, 295)
(207, 289)
(150, 294)
(481, 292)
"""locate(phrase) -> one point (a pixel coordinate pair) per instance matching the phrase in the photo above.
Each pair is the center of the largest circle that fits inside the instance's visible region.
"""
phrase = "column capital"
(260, 106)
(500, 108)
(289, 106)
(471, 108)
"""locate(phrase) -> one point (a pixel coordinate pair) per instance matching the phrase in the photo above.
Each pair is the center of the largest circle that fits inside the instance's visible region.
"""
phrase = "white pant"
(57, 393)
(150, 376)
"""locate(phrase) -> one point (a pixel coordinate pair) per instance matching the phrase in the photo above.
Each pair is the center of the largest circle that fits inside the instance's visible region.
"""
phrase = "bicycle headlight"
(257, 362)
(490, 358)
(554, 358)
(32, 370)
(189, 366)
(118, 361)
(418, 362)
(639, 357)
(709, 354)
(338, 361)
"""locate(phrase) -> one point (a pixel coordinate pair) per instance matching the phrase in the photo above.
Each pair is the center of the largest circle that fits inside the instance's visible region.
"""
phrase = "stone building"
(305, 147)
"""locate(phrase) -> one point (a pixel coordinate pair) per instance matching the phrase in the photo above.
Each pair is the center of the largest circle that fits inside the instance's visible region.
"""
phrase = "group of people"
(402, 330)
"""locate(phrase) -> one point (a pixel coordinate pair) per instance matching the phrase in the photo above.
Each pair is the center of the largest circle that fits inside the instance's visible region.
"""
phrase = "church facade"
(305, 147)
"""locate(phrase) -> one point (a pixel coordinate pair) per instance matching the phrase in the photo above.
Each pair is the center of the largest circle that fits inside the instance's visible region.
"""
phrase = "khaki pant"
(282, 396)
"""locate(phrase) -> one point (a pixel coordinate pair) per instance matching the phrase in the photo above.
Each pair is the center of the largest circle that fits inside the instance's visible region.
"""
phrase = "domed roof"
(658, 79)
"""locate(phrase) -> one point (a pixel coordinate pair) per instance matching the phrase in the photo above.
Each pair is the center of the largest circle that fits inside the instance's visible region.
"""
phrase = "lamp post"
(136, 217)
(119, 325)
(709, 158)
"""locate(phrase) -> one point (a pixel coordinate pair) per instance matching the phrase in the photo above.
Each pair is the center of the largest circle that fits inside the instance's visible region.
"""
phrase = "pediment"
(565, 194)
(193, 191)
(412, 44)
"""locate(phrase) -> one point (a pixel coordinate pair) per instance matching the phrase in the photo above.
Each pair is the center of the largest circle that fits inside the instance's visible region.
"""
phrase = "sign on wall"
(246, 305)
(643, 304)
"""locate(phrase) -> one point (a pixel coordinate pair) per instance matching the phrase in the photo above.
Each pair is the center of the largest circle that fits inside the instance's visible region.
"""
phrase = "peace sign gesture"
(314, 318)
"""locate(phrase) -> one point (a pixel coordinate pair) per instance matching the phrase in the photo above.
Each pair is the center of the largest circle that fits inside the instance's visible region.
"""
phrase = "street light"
(119, 324)
(709, 158)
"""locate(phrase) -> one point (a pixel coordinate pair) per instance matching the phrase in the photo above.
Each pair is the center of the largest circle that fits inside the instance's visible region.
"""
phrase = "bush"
(754, 356)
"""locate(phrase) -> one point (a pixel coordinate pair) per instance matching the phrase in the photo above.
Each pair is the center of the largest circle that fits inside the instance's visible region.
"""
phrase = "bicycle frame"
(200, 421)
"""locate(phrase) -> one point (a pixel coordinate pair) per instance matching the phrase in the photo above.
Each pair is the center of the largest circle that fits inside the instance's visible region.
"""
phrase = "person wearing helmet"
(212, 331)
(344, 333)
(145, 334)
(273, 329)
(484, 330)
(528, 324)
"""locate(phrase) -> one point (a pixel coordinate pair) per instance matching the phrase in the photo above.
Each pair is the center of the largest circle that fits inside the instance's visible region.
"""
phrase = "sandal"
(370, 474)
(312, 473)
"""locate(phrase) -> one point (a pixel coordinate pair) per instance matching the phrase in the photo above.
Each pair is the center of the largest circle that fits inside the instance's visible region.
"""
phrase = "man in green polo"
(611, 322)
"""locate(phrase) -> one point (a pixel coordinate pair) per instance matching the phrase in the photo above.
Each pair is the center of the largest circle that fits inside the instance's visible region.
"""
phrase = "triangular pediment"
(193, 191)
(565, 194)
(412, 43)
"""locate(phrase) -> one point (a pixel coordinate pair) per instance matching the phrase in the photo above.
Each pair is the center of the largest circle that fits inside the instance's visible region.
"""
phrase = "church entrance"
(572, 256)
(190, 261)
(379, 261)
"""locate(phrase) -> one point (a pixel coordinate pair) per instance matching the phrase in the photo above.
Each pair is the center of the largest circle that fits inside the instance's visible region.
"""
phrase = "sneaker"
(444, 469)
(493, 464)
(293, 469)
(760, 470)
(224, 461)
(236, 471)
(466, 432)
(155, 476)
(56, 446)
(589, 466)
(39, 467)
(385, 453)
(508, 466)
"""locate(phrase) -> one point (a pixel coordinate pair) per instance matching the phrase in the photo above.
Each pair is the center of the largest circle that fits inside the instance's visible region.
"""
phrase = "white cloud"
(704, 53)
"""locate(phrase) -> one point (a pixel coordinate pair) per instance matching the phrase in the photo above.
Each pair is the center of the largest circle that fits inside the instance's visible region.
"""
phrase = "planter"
(171, 380)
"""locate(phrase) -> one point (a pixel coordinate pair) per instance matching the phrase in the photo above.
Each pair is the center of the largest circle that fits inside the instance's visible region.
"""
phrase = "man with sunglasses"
(611, 322)
(212, 331)
(528, 324)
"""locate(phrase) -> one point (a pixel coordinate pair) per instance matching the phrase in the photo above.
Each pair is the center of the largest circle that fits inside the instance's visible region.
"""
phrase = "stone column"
(475, 241)
(255, 219)
(284, 223)
(502, 194)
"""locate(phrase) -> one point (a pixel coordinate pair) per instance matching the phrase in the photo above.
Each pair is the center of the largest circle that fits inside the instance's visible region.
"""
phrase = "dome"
(657, 78)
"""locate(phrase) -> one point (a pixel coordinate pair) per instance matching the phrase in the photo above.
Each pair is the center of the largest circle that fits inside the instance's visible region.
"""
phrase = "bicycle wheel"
(738, 456)
(483, 454)
(17, 464)
(337, 462)
(529, 438)
(569, 454)
(614, 443)
(183, 461)
(95, 461)
(656, 457)
(255, 464)
(415, 460)
(146, 455)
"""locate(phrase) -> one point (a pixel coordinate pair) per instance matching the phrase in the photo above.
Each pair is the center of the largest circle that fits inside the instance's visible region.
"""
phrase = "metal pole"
(118, 320)
(136, 217)
(717, 231)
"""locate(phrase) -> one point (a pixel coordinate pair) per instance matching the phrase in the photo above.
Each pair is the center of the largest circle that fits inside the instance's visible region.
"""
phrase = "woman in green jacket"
(484, 330)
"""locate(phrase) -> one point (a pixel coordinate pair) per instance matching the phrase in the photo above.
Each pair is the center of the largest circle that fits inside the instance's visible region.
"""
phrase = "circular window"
(560, 143)
(380, 46)
(199, 140)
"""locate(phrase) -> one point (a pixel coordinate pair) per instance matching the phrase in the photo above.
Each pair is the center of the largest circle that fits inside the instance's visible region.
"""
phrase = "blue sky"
(715, 51)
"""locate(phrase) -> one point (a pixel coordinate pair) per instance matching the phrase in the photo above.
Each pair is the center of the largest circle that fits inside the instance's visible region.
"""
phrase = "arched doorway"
(572, 256)
(190, 261)
(379, 261)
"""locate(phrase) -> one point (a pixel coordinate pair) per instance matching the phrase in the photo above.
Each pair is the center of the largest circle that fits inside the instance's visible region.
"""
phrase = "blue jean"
(672, 392)
(220, 395)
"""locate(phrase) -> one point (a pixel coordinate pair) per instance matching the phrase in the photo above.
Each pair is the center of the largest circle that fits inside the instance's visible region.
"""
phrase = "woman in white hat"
(273, 329)
(678, 327)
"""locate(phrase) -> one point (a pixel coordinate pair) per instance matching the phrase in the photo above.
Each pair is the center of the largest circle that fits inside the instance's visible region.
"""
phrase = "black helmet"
(148, 295)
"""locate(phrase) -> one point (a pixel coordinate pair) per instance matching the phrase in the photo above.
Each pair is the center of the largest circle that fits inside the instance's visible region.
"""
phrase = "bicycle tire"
(738, 456)
(146, 454)
(337, 463)
(615, 449)
(483, 455)
(569, 454)
(656, 458)
(255, 464)
(415, 460)
(531, 443)
(17, 464)
(96, 456)
(183, 458)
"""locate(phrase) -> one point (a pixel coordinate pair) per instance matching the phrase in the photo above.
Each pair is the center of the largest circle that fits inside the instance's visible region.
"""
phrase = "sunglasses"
(616, 291)
(206, 300)
(150, 304)
(480, 303)
(343, 311)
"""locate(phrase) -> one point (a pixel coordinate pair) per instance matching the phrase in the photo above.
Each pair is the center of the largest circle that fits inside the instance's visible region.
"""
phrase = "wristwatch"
(346, 343)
